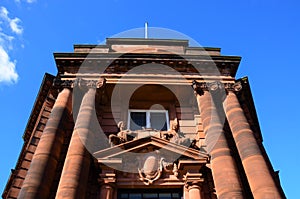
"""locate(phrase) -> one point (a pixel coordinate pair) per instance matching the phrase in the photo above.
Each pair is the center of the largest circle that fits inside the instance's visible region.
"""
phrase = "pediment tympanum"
(151, 157)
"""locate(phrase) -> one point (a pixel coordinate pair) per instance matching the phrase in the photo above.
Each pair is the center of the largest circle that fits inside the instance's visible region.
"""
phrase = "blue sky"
(265, 33)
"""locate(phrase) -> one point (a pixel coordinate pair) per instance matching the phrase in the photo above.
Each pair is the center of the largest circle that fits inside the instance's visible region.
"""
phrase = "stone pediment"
(148, 144)
(144, 161)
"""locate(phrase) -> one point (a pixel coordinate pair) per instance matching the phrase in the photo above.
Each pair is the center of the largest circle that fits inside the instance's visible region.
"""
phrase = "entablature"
(122, 63)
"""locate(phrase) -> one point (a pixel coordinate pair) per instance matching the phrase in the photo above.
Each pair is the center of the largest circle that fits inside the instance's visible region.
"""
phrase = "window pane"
(124, 196)
(165, 196)
(135, 196)
(158, 121)
(138, 120)
(150, 195)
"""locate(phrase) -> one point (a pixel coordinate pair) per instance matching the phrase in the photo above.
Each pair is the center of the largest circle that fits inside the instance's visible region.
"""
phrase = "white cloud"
(13, 23)
(8, 72)
(3, 12)
(6, 41)
(15, 27)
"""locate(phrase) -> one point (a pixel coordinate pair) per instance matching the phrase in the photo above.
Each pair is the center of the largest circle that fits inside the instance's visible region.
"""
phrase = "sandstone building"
(143, 118)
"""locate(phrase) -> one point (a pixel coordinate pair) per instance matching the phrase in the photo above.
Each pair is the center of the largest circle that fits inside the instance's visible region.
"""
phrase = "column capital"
(107, 176)
(193, 180)
(79, 82)
(193, 183)
(201, 87)
(107, 184)
(234, 87)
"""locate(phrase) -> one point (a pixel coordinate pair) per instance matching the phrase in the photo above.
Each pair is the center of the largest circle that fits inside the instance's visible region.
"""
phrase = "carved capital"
(79, 82)
(237, 86)
(59, 83)
(200, 87)
(85, 84)
(193, 180)
(107, 178)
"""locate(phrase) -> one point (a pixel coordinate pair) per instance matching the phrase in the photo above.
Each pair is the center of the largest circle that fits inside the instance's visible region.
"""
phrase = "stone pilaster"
(224, 170)
(261, 182)
(75, 172)
(44, 163)
(106, 192)
(193, 185)
(107, 185)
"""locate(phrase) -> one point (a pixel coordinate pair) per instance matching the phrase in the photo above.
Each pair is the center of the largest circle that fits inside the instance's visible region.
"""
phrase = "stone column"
(261, 182)
(193, 185)
(186, 192)
(107, 180)
(45, 159)
(106, 192)
(75, 172)
(194, 191)
(224, 170)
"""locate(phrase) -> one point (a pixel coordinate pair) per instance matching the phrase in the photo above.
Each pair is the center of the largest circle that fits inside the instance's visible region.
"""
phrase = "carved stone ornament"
(151, 167)
(171, 135)
(79, 82)
(63, 83)
(237, 86)
(192, 179)
(200, 87)
(122, 136)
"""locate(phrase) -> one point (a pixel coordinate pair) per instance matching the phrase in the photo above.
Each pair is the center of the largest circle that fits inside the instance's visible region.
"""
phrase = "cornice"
(40, 99)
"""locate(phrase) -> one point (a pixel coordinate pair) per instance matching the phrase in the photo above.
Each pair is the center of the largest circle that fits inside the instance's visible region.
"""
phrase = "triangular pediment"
(154, 143)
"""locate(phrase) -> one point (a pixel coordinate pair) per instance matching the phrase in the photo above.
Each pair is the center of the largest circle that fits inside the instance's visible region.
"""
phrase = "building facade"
(143, 118)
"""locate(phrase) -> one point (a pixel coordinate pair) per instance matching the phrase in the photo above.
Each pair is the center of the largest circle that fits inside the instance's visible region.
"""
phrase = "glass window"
(165, 196)
(135, 196)
(137, 120)
(158, 121)
(154, 119)
(149, 193)
(124, 196)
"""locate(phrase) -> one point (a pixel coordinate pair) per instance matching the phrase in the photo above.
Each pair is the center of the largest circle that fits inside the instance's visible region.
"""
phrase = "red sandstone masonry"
(43, 166)
(22, 168)
(75, 172)
(224, 170)
(259, 177)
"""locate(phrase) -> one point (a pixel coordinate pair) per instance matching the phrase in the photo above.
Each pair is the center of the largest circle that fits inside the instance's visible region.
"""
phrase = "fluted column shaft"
(45, 159)
(74, 177)
(261, 182)
(224, 170)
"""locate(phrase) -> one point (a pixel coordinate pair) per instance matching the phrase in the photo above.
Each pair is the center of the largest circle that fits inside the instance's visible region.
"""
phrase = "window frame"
(148, 119)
